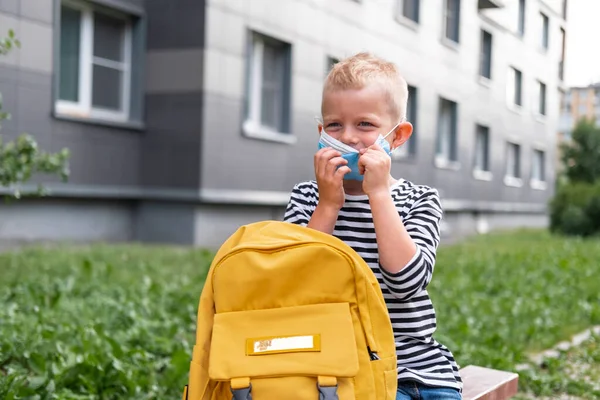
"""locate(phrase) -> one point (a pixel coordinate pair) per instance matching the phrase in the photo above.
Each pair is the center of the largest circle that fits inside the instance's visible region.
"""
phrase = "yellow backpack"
(291, 313)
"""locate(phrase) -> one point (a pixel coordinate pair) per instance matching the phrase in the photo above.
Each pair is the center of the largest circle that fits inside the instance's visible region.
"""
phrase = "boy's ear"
(402, 134)
(319, 128)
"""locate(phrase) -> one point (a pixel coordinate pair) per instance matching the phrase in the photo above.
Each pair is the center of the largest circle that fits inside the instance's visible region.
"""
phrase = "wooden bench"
(488, 384)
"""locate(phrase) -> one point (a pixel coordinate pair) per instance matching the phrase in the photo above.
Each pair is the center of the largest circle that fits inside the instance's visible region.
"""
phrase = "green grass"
(118, 322)
(98, 323)
(501, 297)
(575, 372)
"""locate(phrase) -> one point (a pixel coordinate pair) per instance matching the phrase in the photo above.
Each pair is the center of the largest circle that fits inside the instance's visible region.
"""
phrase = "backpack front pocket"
(286, 353)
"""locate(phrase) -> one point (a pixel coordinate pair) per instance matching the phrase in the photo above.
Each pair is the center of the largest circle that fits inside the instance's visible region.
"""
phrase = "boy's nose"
(348, 137)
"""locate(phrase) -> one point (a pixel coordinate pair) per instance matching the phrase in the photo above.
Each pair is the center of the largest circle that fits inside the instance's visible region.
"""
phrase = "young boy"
(393, 224)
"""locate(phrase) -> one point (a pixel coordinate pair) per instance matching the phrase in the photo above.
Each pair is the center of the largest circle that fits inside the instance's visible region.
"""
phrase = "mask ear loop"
(320, 122)
(393, 129)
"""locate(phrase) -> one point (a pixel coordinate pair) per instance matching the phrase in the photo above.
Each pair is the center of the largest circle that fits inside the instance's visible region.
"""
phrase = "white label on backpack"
(284, 344)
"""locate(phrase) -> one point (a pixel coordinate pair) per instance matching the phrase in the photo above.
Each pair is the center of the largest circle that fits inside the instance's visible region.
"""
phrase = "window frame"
(484, 173)
(510, 179)
(483, 55)
(446, 38)
(330, 61)
(513, 72)
(252, 125)
(408, 150)
(401, 11)
(441, 161)
(535, 183)
(542, 99)
(84, 108)
(545, 31)
(563, 44)
(522, 18)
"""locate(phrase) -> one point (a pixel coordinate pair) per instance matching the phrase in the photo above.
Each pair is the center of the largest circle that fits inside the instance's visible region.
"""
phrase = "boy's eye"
(365, 123)
(332, 125)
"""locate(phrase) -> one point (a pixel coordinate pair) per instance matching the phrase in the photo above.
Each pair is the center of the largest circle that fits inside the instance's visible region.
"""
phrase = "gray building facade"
(188, 118)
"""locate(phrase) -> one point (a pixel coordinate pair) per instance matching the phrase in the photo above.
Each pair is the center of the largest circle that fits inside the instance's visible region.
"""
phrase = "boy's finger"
(334, 163)
(364, 161)
(323, 151)
(341, 171)
(323, 156)
(365, 158)
(327, 154)
(361, 165)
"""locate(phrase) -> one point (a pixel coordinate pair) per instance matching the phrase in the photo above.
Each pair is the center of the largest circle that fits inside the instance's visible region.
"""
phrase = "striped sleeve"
(422, 223)
(301, 205)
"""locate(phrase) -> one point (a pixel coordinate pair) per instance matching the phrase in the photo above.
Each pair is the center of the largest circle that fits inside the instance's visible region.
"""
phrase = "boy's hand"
(330, 177)
(374, 164)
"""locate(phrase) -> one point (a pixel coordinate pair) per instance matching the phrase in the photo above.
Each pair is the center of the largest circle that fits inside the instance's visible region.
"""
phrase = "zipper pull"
(373, 356)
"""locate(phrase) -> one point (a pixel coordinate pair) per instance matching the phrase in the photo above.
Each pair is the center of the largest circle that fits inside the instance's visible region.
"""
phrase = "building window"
(446, 142)
(331, 61)
(563, 112)
(482, 149)
(538, 172)
(410, 147)
(568, 99)
(521, 24)
(561, 63)
(513, 165)
(268, 88)
(95, 63)
(545, 31)
(411, 9)
(514, 87)
(485, 58)
(452, 20)
(541, 98)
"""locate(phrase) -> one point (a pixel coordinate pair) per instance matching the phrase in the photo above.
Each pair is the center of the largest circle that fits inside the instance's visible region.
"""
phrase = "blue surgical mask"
(351, 154)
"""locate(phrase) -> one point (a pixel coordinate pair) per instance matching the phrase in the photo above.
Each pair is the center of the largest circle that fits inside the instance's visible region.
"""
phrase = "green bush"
(580, 154)
(575, 209)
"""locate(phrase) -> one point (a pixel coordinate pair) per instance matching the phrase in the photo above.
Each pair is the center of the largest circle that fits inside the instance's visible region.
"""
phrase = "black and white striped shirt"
(420, 357)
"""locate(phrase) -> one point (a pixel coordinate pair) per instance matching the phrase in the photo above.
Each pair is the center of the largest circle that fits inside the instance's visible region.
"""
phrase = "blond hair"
(362, 69)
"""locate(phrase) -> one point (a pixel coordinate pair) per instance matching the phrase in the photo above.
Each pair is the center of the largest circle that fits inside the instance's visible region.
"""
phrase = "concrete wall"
(174, 101)
(207, 226)
(460, 225)
(157, 221)
(318, 29)
(70, 220)
(216, 223)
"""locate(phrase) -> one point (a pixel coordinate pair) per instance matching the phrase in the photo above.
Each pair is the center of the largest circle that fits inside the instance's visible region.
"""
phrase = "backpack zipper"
(372, 355)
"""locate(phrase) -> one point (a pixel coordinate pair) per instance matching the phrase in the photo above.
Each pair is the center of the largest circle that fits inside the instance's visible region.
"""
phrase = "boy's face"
(356, 117)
